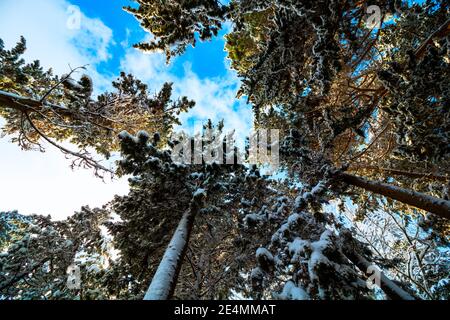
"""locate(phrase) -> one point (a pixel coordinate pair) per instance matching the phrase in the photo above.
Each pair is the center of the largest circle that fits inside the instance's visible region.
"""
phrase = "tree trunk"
(165, 279)
(24, 104)
(419, 200)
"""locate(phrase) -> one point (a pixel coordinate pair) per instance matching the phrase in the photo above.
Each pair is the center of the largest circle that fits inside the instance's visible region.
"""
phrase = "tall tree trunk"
(165, 279)
(419, 200)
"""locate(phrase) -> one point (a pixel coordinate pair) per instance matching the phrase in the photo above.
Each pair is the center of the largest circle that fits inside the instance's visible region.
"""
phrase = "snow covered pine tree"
(365, 155)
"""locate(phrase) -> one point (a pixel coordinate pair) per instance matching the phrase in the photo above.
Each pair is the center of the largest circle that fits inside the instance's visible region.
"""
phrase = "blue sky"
(104, 42)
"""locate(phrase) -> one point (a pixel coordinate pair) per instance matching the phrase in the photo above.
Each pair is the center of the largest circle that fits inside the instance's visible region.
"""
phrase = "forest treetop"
(364, 117)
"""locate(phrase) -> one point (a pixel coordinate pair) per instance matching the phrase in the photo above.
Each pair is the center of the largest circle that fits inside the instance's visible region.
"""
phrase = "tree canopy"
(38, 105)
(362, 106)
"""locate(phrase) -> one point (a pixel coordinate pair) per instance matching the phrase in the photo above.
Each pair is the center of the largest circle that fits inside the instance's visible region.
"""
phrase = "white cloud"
(215, 97)
(43, 183)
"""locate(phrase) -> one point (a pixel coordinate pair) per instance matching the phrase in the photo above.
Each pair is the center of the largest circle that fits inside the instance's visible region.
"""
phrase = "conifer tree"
(363, 111)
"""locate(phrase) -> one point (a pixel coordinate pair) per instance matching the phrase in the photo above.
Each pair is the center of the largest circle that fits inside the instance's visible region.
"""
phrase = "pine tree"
(38, 105)
(364, 113)
(177, 24)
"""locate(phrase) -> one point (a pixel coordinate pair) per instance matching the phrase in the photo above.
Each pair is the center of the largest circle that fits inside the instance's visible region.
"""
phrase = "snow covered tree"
(363, 110)
(200, 224)
(38, 105)
(408, 247)
(336, 78)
